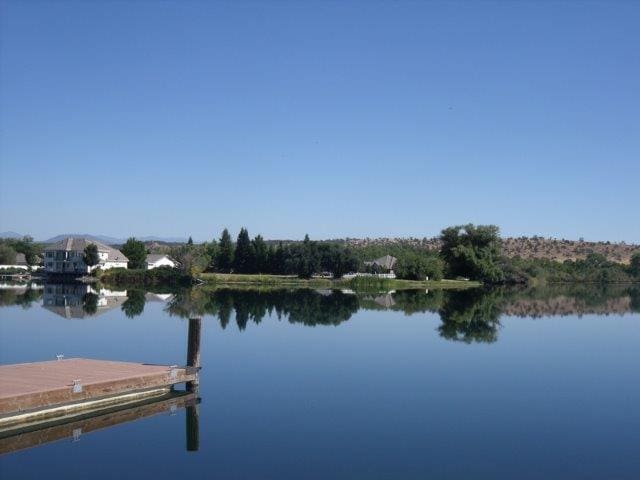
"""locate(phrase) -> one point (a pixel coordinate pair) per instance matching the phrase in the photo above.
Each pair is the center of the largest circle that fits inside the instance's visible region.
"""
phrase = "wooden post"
(193, 350)
(193, 428)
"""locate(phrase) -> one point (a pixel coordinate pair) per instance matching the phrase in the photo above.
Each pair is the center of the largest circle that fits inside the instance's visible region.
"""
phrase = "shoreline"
(360, 283)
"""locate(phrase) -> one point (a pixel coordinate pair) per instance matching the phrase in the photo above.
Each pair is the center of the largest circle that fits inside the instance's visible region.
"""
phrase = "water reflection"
(78, 300)
(35, 435)
(468, 316)
(22, 294)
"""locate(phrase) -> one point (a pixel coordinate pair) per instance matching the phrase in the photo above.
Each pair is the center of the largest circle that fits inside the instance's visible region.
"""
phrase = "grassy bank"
(359, 283)
(163, 276)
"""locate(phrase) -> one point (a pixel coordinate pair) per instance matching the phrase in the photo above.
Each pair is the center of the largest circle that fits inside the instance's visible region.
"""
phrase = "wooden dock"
(42, 390)
(41, 401)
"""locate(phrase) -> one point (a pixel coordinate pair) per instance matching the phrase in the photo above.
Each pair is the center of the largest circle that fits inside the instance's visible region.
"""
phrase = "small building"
(159, 260)
(383, 267)
(67, 256)
(385, 263)
(20, 263)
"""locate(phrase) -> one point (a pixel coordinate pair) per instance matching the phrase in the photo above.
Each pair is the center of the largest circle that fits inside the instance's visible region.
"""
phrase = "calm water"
(322, 384)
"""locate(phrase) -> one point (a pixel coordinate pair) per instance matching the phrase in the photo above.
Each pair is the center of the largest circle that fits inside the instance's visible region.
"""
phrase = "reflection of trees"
(90, 303)
(305, 306)
(417, 301)
(634, 294)
(467, 315)
(23, 298)
(471, 316)
(134, 304)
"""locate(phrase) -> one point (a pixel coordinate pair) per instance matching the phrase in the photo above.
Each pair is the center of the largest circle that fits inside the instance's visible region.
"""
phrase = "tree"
(634, 267)
(91, 256)
(136, 252)
(29, 249)
(244, 257)
(190, 241)
(261, 254)
(472, 251)
(415, 266)
(277, 260)
(7, 255)
(307, 259)
(224, 256)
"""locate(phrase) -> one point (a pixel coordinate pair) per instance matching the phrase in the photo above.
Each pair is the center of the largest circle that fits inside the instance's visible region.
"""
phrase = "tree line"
(467, 251)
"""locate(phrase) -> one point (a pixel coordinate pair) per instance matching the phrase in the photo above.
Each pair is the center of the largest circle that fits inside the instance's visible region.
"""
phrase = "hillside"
(525, 247)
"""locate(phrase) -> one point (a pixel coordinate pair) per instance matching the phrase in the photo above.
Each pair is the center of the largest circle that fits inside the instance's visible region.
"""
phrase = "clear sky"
(338, 119)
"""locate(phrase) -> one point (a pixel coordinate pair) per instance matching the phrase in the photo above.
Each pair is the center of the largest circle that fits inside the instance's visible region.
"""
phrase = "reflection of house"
(385, 300)
(19, 263)
(79, 300)
(159, 260)
(66, 256)
(158, 297)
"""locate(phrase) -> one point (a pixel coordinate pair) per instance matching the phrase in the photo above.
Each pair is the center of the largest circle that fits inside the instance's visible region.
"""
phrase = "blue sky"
(332, 118)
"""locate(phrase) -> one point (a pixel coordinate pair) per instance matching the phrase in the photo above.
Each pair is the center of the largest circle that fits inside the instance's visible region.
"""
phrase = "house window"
(50, 254)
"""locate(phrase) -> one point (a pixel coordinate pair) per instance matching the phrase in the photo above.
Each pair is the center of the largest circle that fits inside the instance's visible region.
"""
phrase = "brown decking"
(36, 386)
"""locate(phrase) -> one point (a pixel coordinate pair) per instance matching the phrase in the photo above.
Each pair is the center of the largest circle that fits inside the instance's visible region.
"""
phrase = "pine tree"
(244, 259)
(224, 256)
(261, 253)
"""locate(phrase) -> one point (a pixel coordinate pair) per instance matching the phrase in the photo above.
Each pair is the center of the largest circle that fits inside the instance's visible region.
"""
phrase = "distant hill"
(561, 250)
(525, 247)
(88, 236)
(10, 235)
(114, 240)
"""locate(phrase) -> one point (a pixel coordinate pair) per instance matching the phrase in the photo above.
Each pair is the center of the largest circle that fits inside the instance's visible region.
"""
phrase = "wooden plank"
(33, 386)
(53, 431)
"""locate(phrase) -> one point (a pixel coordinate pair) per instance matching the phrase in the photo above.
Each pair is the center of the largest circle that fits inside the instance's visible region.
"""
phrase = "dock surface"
(29, 387)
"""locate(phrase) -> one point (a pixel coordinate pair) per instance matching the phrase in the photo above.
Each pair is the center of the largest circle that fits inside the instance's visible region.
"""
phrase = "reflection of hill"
(561, 300)
(565, 306)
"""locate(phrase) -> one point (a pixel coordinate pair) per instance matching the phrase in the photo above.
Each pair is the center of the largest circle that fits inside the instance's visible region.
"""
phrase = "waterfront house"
(66, 256)
(160, 260)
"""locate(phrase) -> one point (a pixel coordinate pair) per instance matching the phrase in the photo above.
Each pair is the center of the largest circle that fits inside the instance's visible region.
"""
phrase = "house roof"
(385, 262)
(71, 244)
(154, 257)
(21, 259)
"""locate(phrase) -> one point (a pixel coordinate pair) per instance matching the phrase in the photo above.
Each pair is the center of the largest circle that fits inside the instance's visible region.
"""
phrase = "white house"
(66, 256)
(159, 260)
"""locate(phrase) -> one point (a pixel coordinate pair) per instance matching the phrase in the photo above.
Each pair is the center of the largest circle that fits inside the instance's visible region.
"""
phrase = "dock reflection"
(15, 439)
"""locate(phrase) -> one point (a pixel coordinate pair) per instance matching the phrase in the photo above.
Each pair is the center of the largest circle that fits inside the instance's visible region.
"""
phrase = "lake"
(523, 384)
